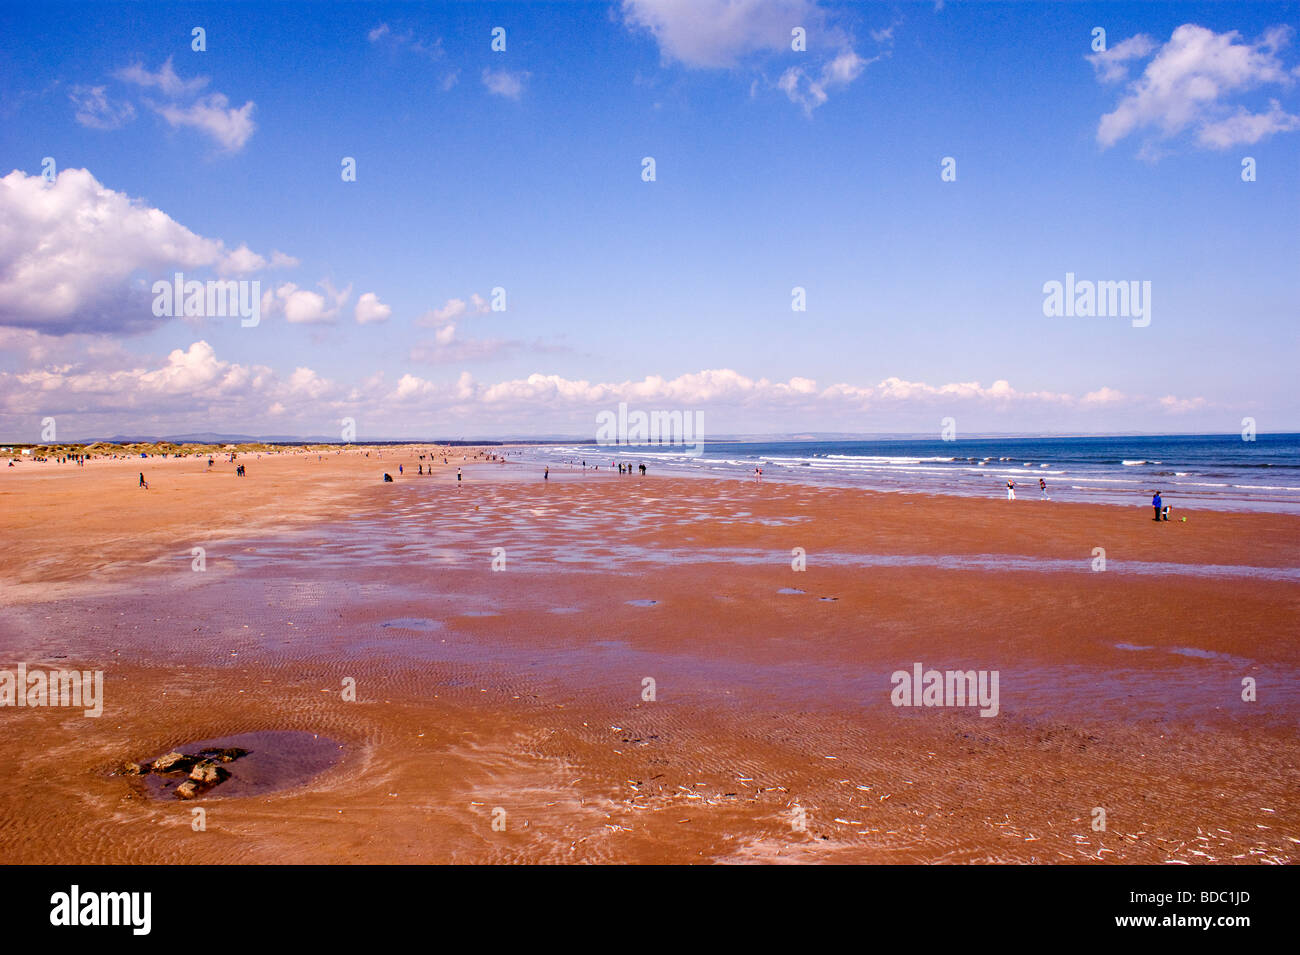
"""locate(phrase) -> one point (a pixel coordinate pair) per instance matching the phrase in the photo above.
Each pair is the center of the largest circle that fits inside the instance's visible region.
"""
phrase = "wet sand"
(517, 695)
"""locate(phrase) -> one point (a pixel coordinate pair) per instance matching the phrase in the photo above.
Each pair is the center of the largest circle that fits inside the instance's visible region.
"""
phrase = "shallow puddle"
(275, 760)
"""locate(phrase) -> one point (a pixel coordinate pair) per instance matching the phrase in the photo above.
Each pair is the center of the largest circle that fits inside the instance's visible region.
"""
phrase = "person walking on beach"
(1156, 504)
(1042, 486)
(1011, 490)
(458, 475)
(143, 483)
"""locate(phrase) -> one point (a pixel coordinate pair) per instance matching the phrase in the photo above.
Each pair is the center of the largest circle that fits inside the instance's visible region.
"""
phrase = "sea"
(1218, 472)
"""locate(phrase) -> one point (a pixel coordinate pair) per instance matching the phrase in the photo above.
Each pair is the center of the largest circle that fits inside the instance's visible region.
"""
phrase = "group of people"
(1011, 490)
(422, 472)
(1160, 507)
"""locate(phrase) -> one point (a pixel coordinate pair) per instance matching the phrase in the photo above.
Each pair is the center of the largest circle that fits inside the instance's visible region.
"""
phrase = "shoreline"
(523, 689)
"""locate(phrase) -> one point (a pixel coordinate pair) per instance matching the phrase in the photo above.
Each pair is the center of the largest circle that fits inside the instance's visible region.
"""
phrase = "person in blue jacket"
(1155, 502)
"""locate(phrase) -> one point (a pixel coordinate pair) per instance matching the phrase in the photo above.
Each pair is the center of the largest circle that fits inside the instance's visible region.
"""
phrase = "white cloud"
(191, 385)
(810, 92)
(215, 116)
(383, 33)
(370, 309)
(96, 110)
(71, 251)
(244, 260)
(189, 373)
(305, 383)
(445, 347)
(1112, 64)
(725, 385)
(453, 309)
(212, 114)
(504, 83)
(1176, 405)
(302, 306)
(191, 381)
(1187, 86)
(1103, 396)
(165, 80)
(1245, 127)
(727, 34)
(719, 33)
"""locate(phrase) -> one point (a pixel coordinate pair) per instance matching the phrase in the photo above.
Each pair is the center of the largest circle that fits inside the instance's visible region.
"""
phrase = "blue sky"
(522, 170)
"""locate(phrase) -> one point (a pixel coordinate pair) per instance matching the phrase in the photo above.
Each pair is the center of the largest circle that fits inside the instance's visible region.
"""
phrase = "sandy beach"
(500, 633)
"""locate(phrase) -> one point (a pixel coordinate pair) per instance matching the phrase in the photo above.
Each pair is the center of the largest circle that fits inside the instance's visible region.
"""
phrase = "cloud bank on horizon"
(431, 347)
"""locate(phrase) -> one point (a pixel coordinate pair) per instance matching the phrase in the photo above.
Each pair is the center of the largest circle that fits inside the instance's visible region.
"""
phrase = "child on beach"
(1042, 485)
(1011, 490)
(143, 483)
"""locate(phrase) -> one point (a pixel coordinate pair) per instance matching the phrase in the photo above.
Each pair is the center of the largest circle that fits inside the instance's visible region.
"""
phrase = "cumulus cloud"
(728, 34)
(1188, 85)
(215, 116)
(94, 108)
(301, 306)
(191, 385)
(719, 33)
(446, 347)
(1175, 405)
(1103, 396)
(730, 387)
(305, 383)
(229, 126)
(188, 378)
(1245, 127)
(370, 309)
(190, 373)
(244, 260)
(72, 254)
(504, 83)
(1111, 65)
